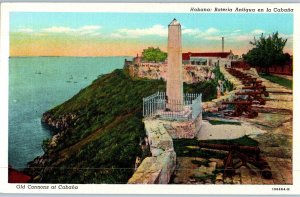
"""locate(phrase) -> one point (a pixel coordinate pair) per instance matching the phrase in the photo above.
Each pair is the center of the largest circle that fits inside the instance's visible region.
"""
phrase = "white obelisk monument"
(174, 71)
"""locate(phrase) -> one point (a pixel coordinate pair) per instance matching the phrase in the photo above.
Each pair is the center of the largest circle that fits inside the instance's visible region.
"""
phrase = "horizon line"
(71, 56)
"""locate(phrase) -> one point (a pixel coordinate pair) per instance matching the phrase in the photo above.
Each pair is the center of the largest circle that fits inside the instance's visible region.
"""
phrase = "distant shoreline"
(67, 56)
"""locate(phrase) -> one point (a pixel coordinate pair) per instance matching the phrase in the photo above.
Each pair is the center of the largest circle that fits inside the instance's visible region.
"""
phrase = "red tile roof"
(186, 56)
(15, 176)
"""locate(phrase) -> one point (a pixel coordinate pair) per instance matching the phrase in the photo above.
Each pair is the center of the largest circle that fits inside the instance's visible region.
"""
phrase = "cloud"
(56, 29)
(89, 29)
(211, 30)
(117, 35)
(198, 33)
(213, 38)
(84, 30)
(242, 38)
(257, 31)
(25, 30)
(158, 30)
(191, 32)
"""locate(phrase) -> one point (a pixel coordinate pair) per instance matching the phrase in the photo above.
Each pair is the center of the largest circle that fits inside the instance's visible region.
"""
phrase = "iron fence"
(157, 105)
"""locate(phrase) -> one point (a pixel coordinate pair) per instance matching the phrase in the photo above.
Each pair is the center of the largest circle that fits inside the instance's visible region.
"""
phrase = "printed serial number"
(280, 189)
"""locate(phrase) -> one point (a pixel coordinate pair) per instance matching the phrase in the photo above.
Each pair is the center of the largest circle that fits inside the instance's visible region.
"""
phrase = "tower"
(222, 44)
(174, 71)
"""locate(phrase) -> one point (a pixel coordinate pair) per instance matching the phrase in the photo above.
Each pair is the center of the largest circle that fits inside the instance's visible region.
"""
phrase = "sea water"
(37, 84)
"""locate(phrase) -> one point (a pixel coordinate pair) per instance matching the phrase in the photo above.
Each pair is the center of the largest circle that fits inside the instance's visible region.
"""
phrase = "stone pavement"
(210, 172)
(226, 131)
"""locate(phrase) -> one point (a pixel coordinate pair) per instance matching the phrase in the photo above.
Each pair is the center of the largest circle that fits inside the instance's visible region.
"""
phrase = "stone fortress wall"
(191, 73)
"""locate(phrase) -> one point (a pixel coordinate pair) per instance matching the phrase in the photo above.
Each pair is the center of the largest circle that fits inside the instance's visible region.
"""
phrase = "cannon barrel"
(237, 102)
(265, 93)
(280, 92)
(246, 77)
(249, 79)
(249, 93)
(245, 149)
(254, 87)
(240, 75)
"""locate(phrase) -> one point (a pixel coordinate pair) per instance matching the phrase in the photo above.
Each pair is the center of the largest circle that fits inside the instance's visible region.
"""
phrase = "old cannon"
(248, 79)
(253, 82)
(254, 96)
(241, 107)
(256, 87)
(234, 72)
(245, 77)
(239, 74)
(241, 156)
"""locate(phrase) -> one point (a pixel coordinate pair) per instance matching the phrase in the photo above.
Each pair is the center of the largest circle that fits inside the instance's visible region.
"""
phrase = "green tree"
(152, 54)
(267, 52)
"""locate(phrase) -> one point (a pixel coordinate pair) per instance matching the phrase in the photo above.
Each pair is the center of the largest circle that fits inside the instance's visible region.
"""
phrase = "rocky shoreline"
(59, 127)
(61, 123)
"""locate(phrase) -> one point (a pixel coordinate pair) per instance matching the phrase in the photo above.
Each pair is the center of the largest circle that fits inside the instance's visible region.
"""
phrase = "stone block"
(219, 177)
(214, 109)
(219, 162)
(139, 177)
(228, 180)
(156, 151)
(204, 105)
(211, 104)
(167, 162)
(236, 179)
(213, 165)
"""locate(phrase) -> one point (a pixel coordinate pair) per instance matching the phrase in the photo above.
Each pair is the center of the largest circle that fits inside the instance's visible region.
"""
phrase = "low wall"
(185, 129)
(216, 104)
(159, 168)
(190, 74)
(281, 70)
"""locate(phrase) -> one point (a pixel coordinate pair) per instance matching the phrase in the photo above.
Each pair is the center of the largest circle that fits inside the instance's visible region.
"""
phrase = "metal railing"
(157, 105)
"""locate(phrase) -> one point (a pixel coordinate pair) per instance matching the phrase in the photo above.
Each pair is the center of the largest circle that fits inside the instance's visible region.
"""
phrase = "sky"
(126, 34)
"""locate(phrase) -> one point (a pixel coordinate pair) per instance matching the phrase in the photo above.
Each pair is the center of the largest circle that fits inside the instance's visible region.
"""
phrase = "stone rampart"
(216, 104)
(158, 168)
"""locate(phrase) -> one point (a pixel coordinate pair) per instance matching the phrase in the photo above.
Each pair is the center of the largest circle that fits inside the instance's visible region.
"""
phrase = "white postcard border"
(5, 187)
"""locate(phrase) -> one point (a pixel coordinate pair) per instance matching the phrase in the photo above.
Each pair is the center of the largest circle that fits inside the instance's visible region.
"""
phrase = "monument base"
(184, 114)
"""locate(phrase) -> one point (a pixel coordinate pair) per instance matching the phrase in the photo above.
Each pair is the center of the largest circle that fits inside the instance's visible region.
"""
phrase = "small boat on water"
(38, 73)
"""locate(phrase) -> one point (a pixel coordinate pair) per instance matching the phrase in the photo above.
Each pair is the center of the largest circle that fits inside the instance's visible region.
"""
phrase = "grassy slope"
(107, 133)
(279, 80)
(102, 145)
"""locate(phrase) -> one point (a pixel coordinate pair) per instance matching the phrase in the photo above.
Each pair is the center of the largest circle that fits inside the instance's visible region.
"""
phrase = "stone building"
(208, 58)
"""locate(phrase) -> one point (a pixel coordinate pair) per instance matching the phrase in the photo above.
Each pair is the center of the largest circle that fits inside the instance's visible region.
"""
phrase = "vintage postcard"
(149, 98)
